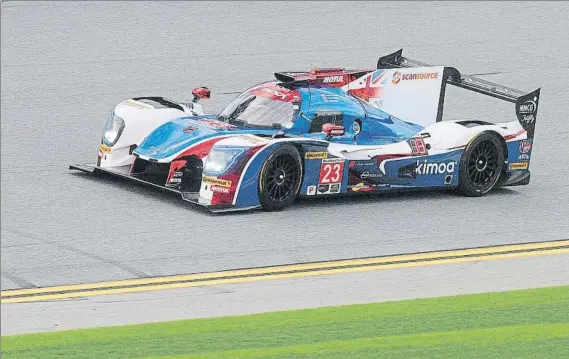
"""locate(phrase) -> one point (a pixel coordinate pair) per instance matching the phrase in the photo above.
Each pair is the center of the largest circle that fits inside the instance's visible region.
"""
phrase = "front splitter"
(123, 172)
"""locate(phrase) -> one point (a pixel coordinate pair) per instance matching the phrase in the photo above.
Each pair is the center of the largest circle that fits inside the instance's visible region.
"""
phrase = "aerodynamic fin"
(526, 111)
(525, 103)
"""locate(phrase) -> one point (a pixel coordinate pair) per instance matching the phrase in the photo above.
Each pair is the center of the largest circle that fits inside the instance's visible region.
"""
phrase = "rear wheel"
(481, 165)
(280, 178)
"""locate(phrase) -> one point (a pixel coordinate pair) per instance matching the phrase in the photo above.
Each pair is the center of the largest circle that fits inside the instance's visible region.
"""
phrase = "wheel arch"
(504, 147)
(465, 188)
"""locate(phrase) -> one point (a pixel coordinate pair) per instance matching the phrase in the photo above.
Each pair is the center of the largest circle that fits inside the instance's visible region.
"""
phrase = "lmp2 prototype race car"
(326, 132)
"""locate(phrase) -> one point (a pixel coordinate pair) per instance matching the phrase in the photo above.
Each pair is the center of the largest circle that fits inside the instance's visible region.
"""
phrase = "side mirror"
(200, 92)
(332, 130)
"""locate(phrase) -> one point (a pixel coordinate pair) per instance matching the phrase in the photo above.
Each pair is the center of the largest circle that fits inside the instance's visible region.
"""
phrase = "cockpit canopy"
(264, 106)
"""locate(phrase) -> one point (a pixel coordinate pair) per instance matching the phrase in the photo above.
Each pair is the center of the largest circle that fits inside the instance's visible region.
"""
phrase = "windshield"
(266, 105)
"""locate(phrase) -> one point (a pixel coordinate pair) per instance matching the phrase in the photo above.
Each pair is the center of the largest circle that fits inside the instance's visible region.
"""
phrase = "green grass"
(517, 324)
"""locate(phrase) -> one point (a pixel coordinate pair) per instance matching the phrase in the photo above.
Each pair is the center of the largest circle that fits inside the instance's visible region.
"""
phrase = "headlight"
(220, 159)
(113, 129)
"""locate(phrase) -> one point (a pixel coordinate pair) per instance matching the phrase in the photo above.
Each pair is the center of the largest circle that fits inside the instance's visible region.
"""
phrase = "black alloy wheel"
(280, 178)
(481, 165)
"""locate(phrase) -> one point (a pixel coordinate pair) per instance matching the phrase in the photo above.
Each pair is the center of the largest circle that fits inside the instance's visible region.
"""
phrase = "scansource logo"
(426, 168)
(397, 76)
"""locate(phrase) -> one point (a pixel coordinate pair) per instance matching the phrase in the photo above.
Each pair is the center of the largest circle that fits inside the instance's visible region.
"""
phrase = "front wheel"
(481, 165)
(280, 178)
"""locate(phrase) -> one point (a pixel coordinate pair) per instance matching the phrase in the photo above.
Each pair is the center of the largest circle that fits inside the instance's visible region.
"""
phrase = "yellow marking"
(253, 138)
(140, 105)
(217, 181)
(358, 187)
(519, 166)
(316, 155)
(105, 149)
(292, 271)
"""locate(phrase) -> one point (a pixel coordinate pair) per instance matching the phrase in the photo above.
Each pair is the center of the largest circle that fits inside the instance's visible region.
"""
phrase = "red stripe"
(509, 137)
(202, 149)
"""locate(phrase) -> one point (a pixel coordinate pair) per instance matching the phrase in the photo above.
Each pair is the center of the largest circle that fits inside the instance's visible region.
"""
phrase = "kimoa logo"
(426, 168)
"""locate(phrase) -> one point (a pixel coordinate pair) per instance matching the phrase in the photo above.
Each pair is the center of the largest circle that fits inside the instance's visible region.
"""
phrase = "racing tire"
(481, 165)
(280, 178)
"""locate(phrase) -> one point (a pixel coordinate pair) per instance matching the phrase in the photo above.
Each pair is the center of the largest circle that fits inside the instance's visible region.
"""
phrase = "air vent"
(474, 123)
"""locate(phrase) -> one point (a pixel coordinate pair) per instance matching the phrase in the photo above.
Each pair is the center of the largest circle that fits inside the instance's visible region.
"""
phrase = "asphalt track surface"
(286, 294)
(66, 64)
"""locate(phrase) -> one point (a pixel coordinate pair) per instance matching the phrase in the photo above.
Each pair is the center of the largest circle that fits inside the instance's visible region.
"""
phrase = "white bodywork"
(411, 94)
(140, 120)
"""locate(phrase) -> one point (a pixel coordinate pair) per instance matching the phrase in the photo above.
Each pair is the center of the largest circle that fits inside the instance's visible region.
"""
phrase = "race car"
(325, 132)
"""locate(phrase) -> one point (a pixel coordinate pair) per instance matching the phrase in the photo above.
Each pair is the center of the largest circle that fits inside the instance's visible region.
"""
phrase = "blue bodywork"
(377, 126)
(363, 124)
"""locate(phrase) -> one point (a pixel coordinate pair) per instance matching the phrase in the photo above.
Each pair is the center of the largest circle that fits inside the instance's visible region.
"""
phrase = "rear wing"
(525, 103)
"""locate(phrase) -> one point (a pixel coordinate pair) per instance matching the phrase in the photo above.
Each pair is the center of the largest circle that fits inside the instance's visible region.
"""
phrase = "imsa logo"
(426, 168)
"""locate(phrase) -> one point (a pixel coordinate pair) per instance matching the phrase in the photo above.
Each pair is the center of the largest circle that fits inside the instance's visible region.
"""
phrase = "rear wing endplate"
(526, 103)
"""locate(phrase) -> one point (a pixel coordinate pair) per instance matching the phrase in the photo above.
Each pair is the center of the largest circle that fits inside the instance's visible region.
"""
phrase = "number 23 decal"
(331, 171)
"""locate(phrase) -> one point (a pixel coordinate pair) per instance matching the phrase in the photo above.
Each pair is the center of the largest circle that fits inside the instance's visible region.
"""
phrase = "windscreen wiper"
(239, 110)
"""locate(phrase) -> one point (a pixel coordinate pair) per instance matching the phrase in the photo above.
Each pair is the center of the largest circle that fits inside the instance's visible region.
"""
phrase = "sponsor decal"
(219, 189)
(336, 132)
(426, 168)
(528, 107)
(216, 181)
(359, 187)
(527, 110)
(105, 149)
(189, 129)
(528, 118)
(326, 188)
(310, 190)
(214, 124)
(448, 179)
(367, 174)
(397, 76)
(275, 92)
(333, 79)
(365, 163)
(417, 146)
(523, 157)
(525, 146)
(331, 170)
(316, 155)
(178, 175)
(519, 166)
(175, 180)
(381, 185)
